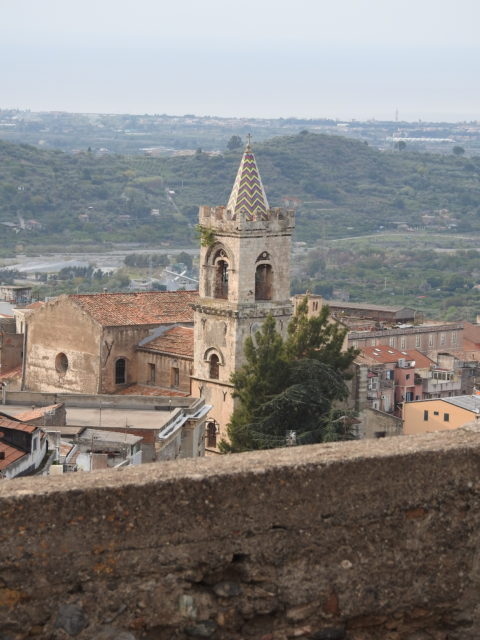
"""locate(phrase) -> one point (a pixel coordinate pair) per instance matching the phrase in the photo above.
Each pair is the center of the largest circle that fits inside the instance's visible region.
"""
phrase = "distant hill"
(340, 187)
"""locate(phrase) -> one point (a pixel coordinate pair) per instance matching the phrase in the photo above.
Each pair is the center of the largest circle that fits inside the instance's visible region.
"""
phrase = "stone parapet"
(357, 541)
(221, 219)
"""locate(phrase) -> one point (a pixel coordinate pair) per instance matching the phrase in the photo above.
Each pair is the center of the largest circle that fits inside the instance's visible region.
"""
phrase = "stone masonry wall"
(61, 327)
(373, 540)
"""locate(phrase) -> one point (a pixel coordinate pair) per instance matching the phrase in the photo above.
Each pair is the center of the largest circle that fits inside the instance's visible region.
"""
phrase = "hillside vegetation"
(340, 187)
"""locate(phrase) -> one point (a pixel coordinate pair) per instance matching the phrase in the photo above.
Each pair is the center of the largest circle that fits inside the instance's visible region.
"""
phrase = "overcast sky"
(267, 58)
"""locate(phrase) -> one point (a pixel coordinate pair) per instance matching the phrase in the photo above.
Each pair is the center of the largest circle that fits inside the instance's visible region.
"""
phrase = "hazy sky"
(304, 58)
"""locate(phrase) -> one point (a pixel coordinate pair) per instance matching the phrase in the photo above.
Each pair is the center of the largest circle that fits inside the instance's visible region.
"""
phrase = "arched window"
(120, 371)
(211, 434)
(263, 282)
(214, 368)
(221, 279)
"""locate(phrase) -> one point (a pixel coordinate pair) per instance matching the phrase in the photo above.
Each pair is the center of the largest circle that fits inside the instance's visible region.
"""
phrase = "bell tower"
(244, 276)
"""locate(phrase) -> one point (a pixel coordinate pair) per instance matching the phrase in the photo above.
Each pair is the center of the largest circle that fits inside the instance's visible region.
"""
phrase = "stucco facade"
(440, 414)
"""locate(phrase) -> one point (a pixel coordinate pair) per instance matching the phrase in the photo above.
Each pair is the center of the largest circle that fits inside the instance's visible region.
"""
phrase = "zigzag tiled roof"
(248, 194)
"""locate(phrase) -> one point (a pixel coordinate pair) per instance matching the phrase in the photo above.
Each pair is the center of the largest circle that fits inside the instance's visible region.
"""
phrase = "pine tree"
(319, 338)
(255, 384)
(290, 386)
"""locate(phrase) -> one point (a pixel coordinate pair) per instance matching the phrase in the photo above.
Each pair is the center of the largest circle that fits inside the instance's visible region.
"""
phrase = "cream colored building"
(440, 414)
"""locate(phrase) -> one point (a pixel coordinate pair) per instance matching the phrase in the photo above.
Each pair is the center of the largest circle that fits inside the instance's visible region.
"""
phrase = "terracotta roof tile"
(177, 341)
(11, 454)
(421, 360)
(470, 345)
(33, 414)
(382, 354)
(385, 354)
(143, 308)
(18, 426)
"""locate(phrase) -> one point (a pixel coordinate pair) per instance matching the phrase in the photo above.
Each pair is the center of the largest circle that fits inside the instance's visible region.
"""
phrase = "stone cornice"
(244, 311)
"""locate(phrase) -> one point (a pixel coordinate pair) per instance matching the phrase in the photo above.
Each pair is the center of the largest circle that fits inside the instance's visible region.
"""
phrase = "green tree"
(318, 338)
(184, 258)
(458, 151)
(290, 385)
(234, 143)
(255, 384)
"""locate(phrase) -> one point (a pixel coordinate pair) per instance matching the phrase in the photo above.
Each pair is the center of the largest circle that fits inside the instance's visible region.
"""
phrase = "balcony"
(438, 383)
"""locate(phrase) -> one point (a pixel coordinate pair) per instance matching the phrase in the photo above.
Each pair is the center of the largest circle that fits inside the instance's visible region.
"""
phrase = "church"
(175, 343)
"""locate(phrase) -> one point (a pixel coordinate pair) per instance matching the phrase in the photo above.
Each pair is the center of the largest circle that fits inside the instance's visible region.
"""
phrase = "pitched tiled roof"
(177, 341)
(11, 454)
(33, 414)
(18, 426)
(248, 194)
(144, 308)
(421, 360)
(381, 353)
(385, 354)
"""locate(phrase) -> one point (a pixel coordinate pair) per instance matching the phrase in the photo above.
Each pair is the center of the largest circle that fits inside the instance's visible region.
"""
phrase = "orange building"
(440, 414)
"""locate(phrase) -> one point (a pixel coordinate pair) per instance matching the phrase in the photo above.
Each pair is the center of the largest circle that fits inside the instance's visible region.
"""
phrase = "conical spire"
(248, 194)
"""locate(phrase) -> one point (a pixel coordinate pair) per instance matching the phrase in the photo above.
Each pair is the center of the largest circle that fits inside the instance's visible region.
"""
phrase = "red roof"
(177, 341)
(33, 414)
(19, 426)
(470, 345)
(382, 353)
(421, 360)
(11, 454)
(143, 308)
(386, 355)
